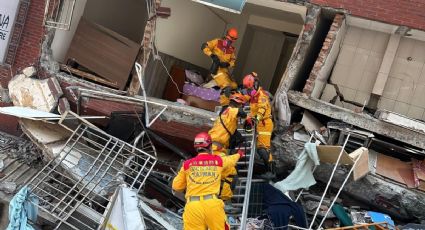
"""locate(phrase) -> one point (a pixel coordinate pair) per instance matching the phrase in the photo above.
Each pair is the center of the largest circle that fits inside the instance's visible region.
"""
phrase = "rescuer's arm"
(179, 182)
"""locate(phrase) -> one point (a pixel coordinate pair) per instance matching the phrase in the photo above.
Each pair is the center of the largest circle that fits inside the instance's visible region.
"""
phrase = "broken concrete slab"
(360, 120)
(38, 94)
(382, 194)
(400, 120)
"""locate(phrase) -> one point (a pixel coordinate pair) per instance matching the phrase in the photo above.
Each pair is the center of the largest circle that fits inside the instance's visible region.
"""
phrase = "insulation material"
(41, 95)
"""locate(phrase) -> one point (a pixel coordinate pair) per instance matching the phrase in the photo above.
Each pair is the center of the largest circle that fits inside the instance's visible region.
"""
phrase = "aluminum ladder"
(242, 190)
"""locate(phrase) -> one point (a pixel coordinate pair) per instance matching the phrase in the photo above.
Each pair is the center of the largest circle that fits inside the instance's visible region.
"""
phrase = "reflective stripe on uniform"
(265, 133)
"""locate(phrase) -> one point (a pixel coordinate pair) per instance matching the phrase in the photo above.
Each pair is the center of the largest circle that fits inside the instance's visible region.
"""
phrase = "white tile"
(392, 88)
(346, 55)
(413, 70)
(328, 93)
(367, 39)
(380, 42)
(418, 53)
(349, 94)
(401, 108)
(373, 64)
(352, 36)
(415, 112)
(405, 48)
(418, 98)
(362, 98)
(387, 104)
(406, 91)
(339, 73)
(399, 66)
(367, 82)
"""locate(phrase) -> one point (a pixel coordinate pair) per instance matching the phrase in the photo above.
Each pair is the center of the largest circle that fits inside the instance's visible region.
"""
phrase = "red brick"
(408, 13)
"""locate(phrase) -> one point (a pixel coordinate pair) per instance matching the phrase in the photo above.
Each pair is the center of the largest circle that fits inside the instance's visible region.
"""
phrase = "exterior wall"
(28, 52)
(407, 13)
(405, 87)
(321, 68)
(357, 65)
(30, 42)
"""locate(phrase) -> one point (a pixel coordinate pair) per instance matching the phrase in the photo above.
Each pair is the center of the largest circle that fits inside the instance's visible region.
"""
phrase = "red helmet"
(238, 98)
(232, 34)
(249, 80)
(202, 140)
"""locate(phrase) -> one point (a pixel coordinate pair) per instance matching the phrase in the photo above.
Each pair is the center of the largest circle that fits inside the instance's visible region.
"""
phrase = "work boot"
(264, 155)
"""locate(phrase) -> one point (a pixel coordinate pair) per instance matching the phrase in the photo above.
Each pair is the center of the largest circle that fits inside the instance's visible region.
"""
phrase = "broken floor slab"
(34, 93)
(360, 120)
(382, 194)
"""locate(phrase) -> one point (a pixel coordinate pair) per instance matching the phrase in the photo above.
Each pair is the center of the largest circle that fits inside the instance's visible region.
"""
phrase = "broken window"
(58, 14)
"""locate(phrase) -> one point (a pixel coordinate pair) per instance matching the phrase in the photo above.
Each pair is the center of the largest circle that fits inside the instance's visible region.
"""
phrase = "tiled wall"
(404, 91)
(357, 65)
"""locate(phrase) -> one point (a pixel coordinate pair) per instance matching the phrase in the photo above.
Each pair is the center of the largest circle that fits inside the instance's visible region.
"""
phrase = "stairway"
(242, 190)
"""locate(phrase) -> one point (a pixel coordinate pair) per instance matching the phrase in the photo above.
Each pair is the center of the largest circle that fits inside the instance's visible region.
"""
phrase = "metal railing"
(75, 187)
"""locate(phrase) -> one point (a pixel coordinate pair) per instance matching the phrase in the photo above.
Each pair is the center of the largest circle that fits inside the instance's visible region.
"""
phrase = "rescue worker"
(224, 127)
(200, 177)
(260, 112)
(223, 56)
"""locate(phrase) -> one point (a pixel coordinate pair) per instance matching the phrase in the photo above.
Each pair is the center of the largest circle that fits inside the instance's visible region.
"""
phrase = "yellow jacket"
(201, 175)
(260, 105)
(225, 54)
(230, 119)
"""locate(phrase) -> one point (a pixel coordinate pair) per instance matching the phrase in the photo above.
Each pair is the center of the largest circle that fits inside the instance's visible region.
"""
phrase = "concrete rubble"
(96, 157)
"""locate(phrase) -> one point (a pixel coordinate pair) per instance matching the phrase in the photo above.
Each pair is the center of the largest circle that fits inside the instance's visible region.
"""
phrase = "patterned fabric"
(201, 92)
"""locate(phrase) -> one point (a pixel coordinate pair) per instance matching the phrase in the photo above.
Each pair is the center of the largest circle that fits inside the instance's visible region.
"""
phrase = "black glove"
(215, 58)
(224, 64)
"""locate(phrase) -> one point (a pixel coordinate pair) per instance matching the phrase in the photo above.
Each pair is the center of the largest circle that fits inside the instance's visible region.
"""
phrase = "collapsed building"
(343, 71)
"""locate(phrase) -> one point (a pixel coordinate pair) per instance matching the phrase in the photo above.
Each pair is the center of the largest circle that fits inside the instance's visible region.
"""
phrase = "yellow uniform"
(225, 54)
(200, 176)
(220, 137)
(261, 109)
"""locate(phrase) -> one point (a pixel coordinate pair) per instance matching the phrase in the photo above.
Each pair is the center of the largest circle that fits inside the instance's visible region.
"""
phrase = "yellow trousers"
(264, 129)
(205, 214)
(227, 174)
(226, 192)
(223, 80)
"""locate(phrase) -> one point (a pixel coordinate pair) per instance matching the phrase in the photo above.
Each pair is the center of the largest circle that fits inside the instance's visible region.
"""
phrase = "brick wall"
(27, 53)
(324, 52)
(29, 46)
(409, 13)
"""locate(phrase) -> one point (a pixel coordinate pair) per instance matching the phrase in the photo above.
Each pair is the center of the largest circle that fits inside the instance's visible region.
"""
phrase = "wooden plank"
(104, 52)
(87, 76)
(362, 167)
(377, 225)
(389, 167)
(329, 154)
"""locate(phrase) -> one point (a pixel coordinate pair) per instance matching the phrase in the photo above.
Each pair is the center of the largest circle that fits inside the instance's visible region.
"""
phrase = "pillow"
(194, 77)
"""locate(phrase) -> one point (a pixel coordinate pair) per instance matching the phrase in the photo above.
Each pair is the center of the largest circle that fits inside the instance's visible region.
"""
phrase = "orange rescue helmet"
(249, 80)
(232, 34)
(238, 98)
(202, 140)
